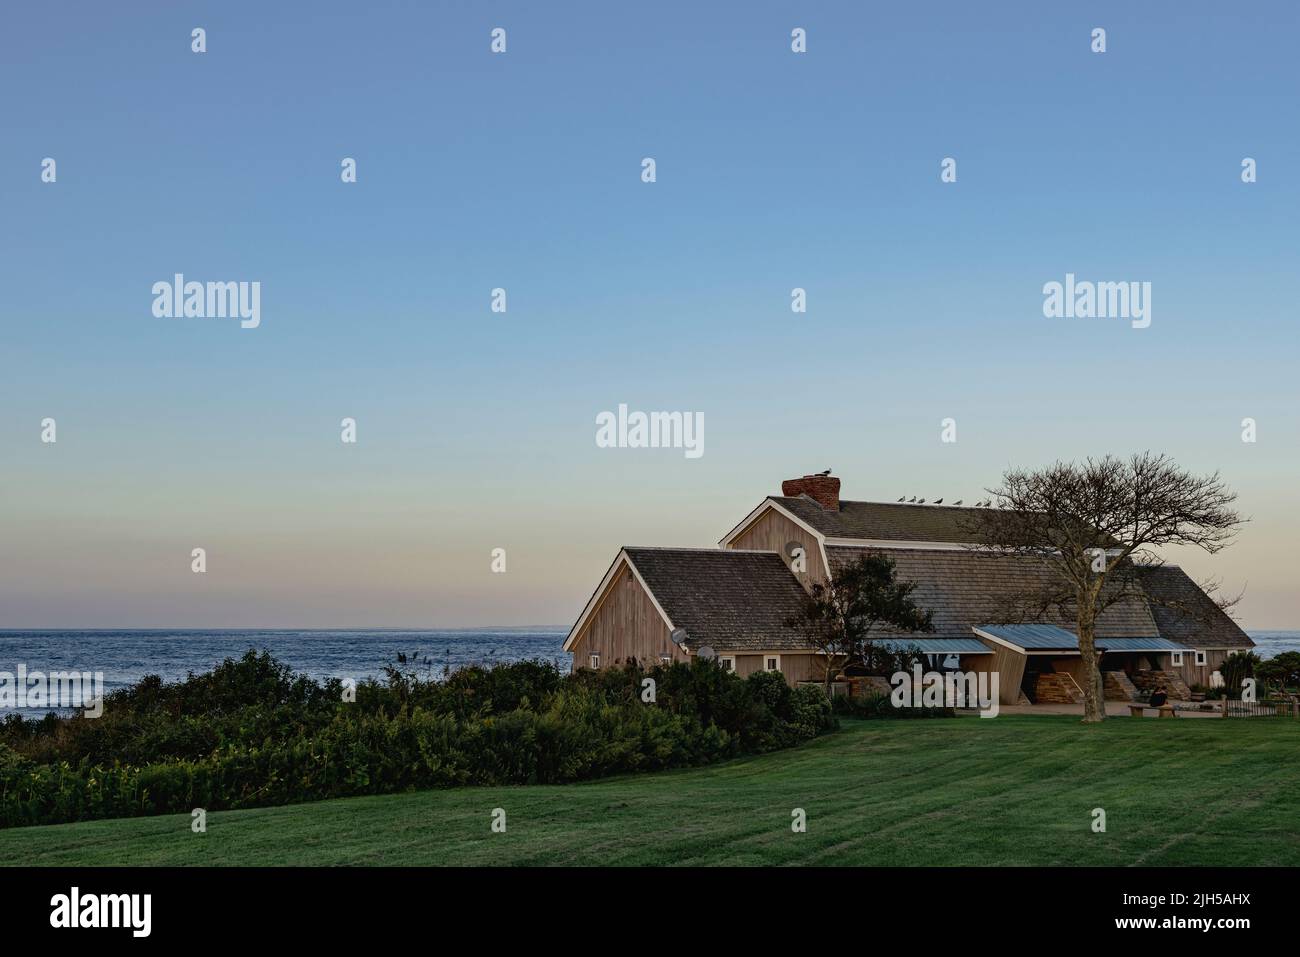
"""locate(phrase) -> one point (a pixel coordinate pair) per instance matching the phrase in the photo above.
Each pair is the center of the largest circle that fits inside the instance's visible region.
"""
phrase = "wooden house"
(732, 602)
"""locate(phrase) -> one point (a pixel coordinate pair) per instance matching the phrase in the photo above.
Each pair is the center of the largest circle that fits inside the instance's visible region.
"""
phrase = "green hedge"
(878, 705)
(252, 734)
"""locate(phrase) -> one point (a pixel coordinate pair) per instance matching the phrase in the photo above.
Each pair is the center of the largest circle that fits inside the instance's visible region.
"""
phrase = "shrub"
(1280, 672)
(877, 705)
(1235, 669)
(811, 713)
(250, 733)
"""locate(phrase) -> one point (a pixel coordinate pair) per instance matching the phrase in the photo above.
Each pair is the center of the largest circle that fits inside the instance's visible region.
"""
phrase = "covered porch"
(1042, 665)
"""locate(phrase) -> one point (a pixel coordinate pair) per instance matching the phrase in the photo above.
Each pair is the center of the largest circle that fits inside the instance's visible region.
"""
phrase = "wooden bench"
(1165, 710)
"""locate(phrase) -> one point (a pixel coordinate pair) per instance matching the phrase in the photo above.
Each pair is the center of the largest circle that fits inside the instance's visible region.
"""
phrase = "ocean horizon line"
(374, 628)
(287, 628)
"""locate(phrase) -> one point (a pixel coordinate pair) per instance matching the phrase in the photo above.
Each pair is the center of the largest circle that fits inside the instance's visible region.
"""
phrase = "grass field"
(1013, 790)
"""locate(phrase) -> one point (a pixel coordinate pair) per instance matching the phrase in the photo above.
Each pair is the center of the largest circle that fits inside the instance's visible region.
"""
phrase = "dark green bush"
(878, 705)
(1281, 672)
(250, 733)
(1237, 667)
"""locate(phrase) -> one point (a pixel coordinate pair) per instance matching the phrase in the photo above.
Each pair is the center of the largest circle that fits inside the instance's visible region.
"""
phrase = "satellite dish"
(707, 653)
(792, 547)
(678, 636)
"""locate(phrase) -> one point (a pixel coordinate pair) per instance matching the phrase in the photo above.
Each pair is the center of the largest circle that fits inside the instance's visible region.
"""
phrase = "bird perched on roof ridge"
(958, 502)
(938, 501)
(911, 500)
(901, 497)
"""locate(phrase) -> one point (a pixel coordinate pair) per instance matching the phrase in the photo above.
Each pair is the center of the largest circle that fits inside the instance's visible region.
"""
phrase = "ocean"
(126, 656)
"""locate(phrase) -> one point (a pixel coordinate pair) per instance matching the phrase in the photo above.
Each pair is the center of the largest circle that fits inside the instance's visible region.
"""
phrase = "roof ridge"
(711, 549)
(865, 501)
(868, 501)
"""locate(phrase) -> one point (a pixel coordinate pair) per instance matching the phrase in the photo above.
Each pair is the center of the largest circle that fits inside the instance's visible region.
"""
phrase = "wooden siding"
(1189, 671)
(795, 666)
(1009, 664)
(772, 531)
(1073, 666)
(625, 625)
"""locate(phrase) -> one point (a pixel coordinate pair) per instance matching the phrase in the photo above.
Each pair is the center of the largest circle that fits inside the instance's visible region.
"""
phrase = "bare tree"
(837, 618)
(1096, 526)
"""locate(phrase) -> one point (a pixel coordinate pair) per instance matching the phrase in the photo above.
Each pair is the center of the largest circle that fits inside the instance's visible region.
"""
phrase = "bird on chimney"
(827, 472)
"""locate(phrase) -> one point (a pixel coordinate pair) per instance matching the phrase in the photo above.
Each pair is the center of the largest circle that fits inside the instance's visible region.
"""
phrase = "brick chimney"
(823, 489)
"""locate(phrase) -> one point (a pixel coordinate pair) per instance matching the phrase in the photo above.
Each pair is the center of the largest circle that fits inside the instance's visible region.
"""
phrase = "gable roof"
(1186, 614)
(964, 588)
(729, 599)
(883, 521)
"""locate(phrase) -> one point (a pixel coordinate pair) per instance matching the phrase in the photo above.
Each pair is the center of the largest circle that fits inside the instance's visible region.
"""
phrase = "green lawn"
(1012, 790)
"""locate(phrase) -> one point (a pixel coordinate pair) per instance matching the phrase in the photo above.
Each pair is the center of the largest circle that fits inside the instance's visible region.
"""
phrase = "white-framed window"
(594, 661)
(727, 662)
(665, 659)
(1178, 659)
(1200, 658)
(771, 662)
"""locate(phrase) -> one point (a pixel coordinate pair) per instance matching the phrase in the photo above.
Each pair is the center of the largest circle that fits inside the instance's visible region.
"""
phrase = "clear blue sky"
(522, 170)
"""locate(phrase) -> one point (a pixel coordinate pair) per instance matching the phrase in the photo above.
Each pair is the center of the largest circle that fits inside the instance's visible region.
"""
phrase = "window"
(1200, 658)
(595, 661)
(771, 662)
(727, 662)
(1178, 659)
(665, 659)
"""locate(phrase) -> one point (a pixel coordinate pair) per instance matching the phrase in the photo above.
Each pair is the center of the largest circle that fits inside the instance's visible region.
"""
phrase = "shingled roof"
(884, 521)
(729, 599)
(966, 587)
(1186, 614)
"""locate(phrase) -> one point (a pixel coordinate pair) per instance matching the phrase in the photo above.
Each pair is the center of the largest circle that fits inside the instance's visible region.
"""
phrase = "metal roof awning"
(1140, 644)
(1031, 637)
(1055, 638)
(938, 646)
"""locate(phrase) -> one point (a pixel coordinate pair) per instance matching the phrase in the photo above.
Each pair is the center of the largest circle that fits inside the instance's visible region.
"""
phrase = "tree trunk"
(1094, 701)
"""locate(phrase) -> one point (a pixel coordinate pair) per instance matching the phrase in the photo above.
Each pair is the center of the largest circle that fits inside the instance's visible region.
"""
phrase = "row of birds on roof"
(987, 503)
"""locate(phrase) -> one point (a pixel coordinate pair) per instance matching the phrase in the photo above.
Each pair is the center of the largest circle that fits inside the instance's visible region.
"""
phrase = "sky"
(523, 171)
